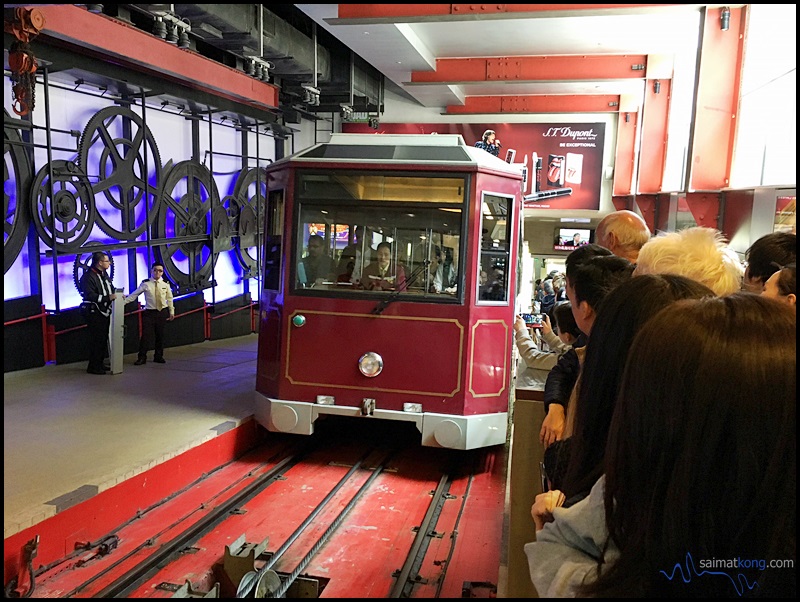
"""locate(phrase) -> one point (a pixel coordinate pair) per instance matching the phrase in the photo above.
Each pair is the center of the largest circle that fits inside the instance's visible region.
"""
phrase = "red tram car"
(389, 271)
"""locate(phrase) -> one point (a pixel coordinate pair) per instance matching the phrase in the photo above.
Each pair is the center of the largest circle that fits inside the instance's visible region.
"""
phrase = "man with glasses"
(159, 309)
(98, 293)
(316, 266)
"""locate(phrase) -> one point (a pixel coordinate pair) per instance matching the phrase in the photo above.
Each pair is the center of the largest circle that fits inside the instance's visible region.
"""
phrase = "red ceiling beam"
(704, 206)
(653, 147)
(398, 12)
(649, 205)
(717, 104)
(553, 103)
(534, 68)
(625, 153)
(125, 45)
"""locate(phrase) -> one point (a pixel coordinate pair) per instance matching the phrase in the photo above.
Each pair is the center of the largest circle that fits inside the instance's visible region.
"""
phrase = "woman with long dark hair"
(623, 313)
(698, 498)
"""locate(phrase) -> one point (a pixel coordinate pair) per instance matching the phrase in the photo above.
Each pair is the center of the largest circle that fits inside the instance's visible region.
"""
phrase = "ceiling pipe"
(316, 59)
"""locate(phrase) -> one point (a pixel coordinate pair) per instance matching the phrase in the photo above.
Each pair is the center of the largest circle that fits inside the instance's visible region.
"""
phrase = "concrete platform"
(69, 435)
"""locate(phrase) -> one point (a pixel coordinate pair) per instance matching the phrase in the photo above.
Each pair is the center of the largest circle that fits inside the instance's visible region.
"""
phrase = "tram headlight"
(370, 364)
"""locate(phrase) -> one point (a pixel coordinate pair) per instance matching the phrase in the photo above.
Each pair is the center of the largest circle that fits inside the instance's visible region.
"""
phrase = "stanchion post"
(116, 334)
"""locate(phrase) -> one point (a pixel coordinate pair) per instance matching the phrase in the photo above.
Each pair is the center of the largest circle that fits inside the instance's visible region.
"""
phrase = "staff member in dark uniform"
(159, 309)
(98, 293)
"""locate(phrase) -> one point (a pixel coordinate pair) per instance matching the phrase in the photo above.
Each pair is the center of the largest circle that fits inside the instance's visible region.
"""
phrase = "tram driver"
(383, 273)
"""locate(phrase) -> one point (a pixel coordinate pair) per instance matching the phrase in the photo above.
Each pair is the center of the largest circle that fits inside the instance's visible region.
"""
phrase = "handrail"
(49, 333)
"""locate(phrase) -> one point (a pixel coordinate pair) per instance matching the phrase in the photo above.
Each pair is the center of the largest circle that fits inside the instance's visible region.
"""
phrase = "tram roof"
(421, 149)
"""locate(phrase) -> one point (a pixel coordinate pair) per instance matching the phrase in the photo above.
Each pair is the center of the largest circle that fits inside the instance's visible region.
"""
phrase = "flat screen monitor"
(567, 239)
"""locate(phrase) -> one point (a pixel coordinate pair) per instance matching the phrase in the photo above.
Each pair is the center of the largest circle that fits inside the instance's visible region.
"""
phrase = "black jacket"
(563, 376)
(93, 292)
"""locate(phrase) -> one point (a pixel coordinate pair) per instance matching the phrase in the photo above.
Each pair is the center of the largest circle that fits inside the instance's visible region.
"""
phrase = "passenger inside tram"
(424, 257)
(444, 278)
(360, 251)
(317, 266)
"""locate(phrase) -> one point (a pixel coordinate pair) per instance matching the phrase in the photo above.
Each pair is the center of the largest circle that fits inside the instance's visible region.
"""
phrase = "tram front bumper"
(438, 430)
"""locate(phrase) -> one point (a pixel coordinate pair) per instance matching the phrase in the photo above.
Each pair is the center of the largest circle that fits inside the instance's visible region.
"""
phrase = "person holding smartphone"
(536, 363)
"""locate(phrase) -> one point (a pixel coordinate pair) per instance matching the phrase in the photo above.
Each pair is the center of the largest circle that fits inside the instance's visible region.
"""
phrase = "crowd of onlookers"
(669, 427)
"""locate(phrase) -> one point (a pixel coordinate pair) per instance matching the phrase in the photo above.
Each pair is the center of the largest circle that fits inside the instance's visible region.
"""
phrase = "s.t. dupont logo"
(568, 132)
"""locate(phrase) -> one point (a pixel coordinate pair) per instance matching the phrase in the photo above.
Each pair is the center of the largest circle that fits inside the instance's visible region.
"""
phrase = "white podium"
(116, 333)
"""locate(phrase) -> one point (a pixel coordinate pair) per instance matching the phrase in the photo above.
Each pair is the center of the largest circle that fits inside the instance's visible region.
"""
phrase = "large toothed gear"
(250, 194)
(120, 156)
(62, 208)
(83, 261)
(183, 233)
(17, 169)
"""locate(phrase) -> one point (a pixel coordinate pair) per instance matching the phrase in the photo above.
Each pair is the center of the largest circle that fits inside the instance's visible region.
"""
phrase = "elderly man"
(623, 233)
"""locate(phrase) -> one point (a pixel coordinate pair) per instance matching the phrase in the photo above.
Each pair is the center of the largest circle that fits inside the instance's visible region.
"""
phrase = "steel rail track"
(128, 582)
(264, 581)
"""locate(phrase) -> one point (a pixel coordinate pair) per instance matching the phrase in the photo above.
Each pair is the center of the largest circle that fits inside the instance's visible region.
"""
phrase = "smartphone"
(543, 476)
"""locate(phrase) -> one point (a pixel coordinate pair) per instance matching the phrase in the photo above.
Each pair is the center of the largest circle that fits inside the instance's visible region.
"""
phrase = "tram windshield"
(367, 234)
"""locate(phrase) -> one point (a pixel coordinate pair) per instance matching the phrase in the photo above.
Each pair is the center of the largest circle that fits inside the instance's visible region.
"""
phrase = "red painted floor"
(370, 545)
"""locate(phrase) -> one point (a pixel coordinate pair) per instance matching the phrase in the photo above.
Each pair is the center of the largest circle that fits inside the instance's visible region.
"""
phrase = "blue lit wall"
(100, 199)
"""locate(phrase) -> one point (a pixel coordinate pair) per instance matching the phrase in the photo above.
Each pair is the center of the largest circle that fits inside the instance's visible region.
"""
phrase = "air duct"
(291, 52)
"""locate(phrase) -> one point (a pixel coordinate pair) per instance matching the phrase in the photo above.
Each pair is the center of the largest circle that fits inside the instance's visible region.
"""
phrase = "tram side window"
(273, 245)
(495, 249)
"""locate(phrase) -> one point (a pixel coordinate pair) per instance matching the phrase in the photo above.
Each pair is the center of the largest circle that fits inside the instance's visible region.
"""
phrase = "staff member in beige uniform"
(158, 310)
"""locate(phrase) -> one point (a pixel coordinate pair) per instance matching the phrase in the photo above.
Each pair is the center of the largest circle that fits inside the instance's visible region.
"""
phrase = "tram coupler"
(367, 406)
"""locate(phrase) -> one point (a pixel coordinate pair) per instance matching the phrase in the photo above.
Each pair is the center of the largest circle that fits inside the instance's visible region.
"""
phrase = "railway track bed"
(365, 514)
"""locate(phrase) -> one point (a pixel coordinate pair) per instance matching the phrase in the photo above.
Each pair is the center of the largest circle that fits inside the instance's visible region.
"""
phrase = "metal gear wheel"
(250, 194)
(83, 261)
(221, 226)
(16, 173)
(63, 218)
(119, 153)
(184, 228)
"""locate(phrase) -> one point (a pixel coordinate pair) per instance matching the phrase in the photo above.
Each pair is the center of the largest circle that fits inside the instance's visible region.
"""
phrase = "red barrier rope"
(49, 333)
